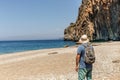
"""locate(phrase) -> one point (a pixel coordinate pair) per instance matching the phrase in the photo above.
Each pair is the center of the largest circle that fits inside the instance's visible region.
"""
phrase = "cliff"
(99, 19)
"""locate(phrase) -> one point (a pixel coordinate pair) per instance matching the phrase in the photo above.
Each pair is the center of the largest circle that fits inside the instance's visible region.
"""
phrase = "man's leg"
(82, 73)
(89, 74)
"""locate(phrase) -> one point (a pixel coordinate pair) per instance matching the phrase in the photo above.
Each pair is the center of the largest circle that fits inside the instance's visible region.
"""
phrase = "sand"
(59, 63)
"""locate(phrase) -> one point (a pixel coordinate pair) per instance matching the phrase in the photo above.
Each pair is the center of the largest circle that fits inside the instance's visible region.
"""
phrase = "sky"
(36, 19)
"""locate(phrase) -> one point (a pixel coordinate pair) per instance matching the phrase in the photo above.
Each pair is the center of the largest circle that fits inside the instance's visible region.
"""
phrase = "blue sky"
(36, 19)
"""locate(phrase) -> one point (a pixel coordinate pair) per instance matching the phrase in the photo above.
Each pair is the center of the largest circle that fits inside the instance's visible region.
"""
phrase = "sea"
(7, 47)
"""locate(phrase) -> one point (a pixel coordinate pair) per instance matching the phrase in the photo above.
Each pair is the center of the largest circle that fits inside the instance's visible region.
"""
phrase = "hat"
(83, 39)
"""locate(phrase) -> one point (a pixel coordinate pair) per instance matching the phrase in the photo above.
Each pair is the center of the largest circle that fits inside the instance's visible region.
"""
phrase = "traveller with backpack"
(84, 59)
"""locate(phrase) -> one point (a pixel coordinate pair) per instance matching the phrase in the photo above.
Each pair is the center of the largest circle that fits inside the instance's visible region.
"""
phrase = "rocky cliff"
(99, 19)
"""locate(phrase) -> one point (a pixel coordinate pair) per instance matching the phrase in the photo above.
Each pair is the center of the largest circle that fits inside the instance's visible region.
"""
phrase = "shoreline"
(59, 63)
(65, 46)
(32, 53)
(8, 47)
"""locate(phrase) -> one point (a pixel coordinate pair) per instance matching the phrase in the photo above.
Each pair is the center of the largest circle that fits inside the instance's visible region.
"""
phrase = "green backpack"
(89, 54)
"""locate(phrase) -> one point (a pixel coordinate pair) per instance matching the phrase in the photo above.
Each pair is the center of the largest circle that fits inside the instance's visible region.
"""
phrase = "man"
(84, 69)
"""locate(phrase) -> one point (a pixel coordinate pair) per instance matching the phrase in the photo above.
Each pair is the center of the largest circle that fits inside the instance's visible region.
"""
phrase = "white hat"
(83, 39)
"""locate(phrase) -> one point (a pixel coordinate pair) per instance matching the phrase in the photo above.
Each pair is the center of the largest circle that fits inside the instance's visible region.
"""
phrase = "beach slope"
(59, 63)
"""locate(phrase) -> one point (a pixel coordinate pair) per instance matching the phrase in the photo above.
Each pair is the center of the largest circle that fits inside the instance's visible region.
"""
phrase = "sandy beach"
(59, 63)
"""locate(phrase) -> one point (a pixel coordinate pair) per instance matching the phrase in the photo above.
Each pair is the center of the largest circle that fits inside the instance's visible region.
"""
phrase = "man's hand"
(76, 68)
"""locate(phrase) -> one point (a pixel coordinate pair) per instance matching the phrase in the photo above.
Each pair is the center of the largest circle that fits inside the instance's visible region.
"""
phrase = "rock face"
(99, 19)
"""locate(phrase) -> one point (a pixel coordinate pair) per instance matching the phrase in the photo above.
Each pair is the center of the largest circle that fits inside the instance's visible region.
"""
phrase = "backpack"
(89, 54)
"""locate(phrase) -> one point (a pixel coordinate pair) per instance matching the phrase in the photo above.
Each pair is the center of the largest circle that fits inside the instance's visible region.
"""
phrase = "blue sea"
(19, 46)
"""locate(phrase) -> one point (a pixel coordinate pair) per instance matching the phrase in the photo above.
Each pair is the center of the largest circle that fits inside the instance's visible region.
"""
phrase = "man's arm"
(77, 62)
